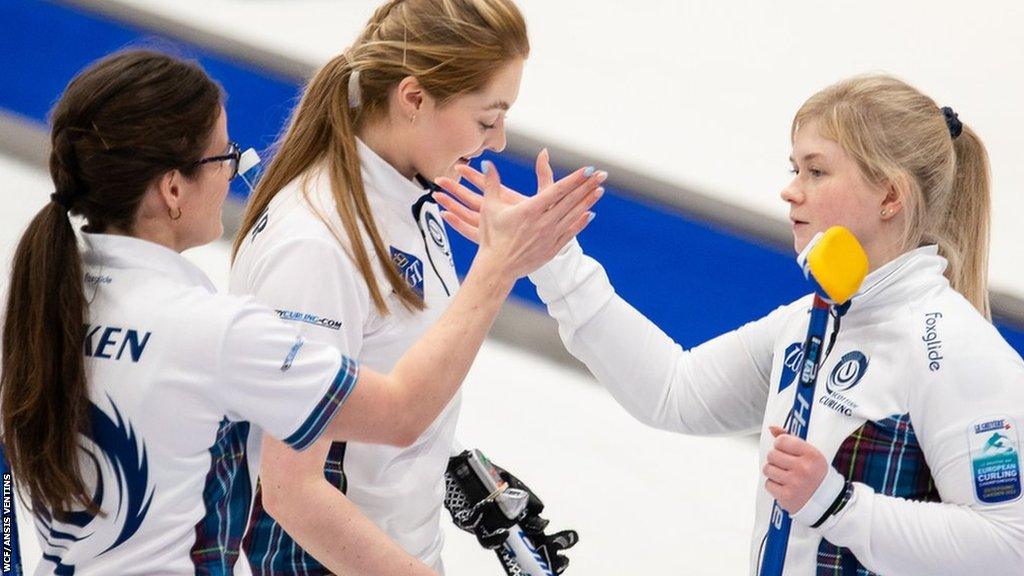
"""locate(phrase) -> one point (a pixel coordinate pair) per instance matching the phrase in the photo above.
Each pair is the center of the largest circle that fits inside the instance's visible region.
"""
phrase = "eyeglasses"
(233, 156)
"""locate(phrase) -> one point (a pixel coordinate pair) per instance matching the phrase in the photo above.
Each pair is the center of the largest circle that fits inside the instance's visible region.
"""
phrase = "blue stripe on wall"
(693, 279)
(43, 45)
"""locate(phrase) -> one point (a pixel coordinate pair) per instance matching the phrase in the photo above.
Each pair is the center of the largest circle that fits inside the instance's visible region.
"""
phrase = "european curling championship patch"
(995, 460)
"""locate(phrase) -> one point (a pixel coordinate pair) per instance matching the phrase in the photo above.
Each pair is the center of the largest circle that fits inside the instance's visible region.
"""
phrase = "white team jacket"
(175, 374)
(292, 262)
(920, 399)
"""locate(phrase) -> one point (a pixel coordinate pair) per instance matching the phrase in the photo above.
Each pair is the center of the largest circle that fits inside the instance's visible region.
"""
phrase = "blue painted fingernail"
(588, 171)
(486, 166)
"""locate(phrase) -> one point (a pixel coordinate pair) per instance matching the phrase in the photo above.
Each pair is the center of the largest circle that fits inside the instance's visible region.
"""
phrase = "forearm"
(712, 389)
(431, 371)
(894, 536)
(328, 526)
(322, 520)
(396, 408)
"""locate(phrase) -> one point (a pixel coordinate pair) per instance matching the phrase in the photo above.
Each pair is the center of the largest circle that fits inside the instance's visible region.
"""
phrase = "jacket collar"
(125, 252)
(397, 191)
(906, 278)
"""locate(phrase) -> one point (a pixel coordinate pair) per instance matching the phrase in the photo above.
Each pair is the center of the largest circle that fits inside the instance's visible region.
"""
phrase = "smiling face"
(829, 189)
(448, 135)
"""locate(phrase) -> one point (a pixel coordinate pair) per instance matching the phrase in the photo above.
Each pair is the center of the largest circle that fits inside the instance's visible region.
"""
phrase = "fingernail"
(600, 190)
(602, 176)
(588, 171)
(591, 216)
(486, 166)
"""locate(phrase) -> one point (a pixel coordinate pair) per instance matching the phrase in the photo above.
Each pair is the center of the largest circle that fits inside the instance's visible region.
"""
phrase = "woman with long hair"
(912, 460)
(342, 238)
(127, 382)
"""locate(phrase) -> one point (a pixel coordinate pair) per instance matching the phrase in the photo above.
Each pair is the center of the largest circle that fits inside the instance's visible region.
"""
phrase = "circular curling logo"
(848, 372)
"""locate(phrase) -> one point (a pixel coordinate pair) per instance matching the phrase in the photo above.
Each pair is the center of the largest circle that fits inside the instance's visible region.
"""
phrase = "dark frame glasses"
(234, 155)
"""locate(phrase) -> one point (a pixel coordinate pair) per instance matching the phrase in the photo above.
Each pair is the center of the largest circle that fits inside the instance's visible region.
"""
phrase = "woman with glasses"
(342, 238)
(230, 158)
(128, 383)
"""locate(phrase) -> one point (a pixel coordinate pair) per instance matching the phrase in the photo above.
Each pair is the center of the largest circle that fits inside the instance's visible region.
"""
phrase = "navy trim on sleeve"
(328, 406)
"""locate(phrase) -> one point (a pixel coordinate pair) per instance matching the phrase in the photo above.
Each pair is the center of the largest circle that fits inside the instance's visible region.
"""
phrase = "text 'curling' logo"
(848, 372)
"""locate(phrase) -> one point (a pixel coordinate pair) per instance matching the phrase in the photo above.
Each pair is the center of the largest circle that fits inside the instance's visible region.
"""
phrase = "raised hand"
(462, 207)
(520, 234)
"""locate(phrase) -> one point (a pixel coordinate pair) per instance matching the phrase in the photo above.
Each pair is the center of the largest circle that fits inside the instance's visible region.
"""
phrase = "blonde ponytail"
(896, 134)
(967, 221)
(322, 129)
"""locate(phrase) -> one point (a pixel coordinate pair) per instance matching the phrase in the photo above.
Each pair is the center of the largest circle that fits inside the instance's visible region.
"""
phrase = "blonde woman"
(341, 238)
(912, 460)
(127, 381)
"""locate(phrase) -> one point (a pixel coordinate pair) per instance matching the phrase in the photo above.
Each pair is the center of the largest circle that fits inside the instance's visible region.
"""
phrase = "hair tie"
(952, 122)
(63, 200)
(355, 92)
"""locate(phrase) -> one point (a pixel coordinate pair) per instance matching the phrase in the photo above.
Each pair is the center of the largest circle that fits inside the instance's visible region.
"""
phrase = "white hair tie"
(355, 92)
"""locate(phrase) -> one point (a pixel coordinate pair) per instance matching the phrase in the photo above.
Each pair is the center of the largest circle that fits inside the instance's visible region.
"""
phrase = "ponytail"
(323, 128)
(967, 222)
(121, 123)
(897, 134)
(43, 391)
(452, 47)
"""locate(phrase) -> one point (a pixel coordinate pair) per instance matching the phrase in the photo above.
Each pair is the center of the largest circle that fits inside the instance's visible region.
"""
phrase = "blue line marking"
(694, 279)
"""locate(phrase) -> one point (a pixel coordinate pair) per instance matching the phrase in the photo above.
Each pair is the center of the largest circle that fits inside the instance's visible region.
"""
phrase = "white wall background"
(701, 93)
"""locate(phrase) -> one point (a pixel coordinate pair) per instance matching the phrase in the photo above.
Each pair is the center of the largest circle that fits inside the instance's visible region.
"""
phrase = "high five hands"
(542, 223)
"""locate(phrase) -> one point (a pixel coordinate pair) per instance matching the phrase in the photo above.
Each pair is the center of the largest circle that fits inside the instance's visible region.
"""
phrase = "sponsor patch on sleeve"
(291, 316)
(995, 459)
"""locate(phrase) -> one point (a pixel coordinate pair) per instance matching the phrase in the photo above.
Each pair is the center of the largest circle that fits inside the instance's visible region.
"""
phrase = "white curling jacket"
(293, 262)
(176, 373)
(917, 405)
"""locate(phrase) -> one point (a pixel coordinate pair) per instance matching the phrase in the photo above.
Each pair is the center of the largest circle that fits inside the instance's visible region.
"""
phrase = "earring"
(884, 213)
(171, 214)
(412, 119)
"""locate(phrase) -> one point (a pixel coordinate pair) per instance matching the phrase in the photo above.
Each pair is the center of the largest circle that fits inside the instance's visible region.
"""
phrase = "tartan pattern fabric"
(270, 550)
(328, 406)
(886, 456)
(226, 495)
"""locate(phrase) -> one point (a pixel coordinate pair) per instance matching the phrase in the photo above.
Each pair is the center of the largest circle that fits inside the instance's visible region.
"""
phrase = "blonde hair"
(452, 47)
(899, 136)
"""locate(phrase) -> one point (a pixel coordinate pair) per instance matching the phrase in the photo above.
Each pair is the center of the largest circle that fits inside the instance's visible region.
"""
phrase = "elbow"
(406, 434)
(407, 416)
(274, 499)
(282, 497)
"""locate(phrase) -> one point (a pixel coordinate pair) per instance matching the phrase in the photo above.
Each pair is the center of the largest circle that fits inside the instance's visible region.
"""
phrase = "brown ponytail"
(120, 124)
(44, 394)
(452, 47)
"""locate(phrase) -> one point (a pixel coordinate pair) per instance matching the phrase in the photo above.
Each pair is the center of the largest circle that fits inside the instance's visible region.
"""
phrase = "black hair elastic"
(64, 200)
(952, 122)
